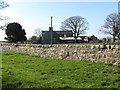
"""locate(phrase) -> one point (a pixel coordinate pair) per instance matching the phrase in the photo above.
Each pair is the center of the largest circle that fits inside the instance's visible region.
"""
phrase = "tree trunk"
(75, 39)
(113, 38)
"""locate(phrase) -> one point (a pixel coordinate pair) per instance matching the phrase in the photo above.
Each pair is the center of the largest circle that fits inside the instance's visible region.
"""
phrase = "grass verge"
(24, 71)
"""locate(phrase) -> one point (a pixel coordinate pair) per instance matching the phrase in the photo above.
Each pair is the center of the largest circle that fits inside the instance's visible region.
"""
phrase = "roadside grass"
(25, 71)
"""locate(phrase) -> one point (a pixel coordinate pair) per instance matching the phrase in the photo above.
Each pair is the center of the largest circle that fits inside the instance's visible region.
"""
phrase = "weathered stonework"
(96, 53)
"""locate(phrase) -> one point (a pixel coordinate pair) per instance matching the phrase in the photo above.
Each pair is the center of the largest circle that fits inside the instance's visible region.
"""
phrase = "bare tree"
(38, 32)
(111, 26)
(3, 5)
(77, 24)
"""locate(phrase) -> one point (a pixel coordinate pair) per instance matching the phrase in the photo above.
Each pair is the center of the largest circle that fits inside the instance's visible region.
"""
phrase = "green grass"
(24, 71)
(111, 43)
(3, 42)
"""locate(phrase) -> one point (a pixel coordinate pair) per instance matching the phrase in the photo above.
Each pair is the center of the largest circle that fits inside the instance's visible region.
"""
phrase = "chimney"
(51, 28)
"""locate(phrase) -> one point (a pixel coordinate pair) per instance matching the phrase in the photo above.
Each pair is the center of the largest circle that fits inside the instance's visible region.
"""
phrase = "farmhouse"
(57, 37)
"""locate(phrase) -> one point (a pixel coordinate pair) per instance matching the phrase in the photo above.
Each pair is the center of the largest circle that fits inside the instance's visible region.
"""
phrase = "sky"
(32, 14)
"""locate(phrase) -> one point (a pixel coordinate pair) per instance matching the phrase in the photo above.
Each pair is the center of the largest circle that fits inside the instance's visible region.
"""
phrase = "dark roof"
(88, 36)
(64, 33)
(83, 36)
(61, 33)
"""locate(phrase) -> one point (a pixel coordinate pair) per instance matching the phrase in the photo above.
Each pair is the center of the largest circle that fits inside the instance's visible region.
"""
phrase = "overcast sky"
(33, 14)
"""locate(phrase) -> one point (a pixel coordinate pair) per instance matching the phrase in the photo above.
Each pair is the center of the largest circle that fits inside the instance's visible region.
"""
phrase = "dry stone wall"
(96, 53)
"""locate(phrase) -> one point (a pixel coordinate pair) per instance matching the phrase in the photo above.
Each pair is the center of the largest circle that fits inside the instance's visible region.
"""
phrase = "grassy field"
(24, 71)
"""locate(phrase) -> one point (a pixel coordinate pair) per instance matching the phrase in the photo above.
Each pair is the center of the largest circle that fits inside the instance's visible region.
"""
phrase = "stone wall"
(96, 53)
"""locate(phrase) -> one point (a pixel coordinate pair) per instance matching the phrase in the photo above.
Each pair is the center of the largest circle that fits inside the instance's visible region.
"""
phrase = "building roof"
(64, 33)
(61, 33)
